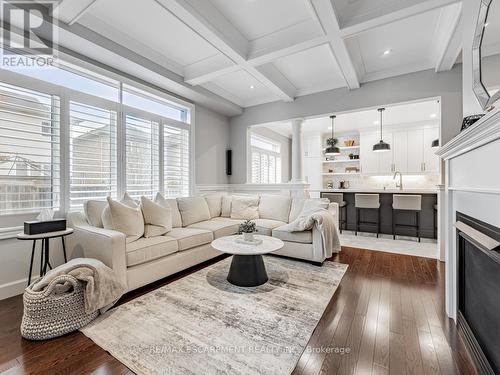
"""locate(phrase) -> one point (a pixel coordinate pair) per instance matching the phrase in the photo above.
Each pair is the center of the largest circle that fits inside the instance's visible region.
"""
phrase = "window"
(266, 160)
(68, 135)
(142, 152)
(176, 161)
(29, 150)
(92, 135)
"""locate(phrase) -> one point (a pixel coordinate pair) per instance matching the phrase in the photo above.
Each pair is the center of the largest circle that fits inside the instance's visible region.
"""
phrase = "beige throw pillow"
(193, 210)
(157, 218)
(172, 203)
(226, 206)
(274, 207)
(93, 212)
(125, 219)
(106, 214)
(214, 201)
(246, 208)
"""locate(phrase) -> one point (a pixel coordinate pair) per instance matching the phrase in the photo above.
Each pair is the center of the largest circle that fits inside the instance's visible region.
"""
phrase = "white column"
(297, 171)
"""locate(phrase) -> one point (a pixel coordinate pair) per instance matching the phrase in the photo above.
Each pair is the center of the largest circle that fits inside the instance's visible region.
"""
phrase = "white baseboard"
(13, 288)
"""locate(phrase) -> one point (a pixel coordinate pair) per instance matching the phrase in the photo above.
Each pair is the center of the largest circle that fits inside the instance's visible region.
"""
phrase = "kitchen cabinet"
(410, 153)
(312, 172)
(312, 146)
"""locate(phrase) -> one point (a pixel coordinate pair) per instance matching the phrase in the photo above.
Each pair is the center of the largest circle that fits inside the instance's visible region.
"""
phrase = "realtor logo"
(28, 33)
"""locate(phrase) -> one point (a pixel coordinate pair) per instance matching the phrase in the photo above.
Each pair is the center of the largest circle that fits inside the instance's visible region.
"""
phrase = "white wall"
(415, 86)
(286, 145)
(211, 143)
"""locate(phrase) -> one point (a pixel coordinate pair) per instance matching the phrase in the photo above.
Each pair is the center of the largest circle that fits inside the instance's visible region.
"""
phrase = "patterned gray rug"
(201, 324)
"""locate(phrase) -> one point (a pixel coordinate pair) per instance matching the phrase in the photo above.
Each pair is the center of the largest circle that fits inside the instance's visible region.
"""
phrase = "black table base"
(44, 257)
(247, 270)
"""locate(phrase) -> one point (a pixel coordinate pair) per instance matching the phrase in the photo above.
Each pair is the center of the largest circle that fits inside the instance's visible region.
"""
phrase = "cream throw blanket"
(102, 287)
(324, 222)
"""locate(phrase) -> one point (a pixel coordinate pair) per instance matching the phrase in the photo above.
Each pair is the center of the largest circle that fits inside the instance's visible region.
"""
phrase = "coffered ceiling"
(248, 52)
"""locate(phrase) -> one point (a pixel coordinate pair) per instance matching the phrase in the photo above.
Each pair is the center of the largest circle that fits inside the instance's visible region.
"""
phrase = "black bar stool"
(367, 202)
(406, 202)
(339, 199)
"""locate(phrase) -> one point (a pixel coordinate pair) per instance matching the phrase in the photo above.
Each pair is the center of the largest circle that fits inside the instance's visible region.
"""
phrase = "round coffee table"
(247, 267)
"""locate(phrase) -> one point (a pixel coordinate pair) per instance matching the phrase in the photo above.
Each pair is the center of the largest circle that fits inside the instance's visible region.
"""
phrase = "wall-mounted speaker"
(229, 162)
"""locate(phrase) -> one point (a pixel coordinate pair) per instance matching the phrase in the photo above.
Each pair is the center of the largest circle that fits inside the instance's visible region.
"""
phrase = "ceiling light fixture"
(486, 24)
(381, 146)
(251, 86)
(387, 52)
(433, 115)
(332, 150)
(376, 122)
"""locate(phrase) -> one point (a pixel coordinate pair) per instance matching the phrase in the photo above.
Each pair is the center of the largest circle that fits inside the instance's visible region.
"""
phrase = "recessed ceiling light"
(486, 24)
(387, 52)
(433, 115)
(376, 122)
(251, 86)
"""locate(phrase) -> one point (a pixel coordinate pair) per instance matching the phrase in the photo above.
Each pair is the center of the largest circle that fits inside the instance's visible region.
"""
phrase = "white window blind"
(142, 156)
(266, 160)
(29, 150)
(93, 162)
(176, 161)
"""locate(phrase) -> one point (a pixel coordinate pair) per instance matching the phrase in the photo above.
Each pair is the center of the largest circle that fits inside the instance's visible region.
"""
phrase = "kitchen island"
(427, 215)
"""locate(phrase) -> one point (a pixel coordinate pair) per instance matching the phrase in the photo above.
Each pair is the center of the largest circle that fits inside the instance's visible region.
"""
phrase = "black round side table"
(44, 251)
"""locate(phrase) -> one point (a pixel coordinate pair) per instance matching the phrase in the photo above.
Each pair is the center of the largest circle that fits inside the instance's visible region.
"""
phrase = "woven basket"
(48, 314)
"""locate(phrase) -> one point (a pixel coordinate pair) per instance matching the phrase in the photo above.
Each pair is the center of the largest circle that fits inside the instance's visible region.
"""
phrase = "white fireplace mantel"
(472, 187)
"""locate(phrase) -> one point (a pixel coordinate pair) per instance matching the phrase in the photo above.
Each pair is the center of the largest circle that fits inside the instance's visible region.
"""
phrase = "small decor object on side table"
(248, 228)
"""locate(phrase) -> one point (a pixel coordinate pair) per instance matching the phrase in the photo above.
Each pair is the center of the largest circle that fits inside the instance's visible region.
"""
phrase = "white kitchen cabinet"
(312, 172)
(415, 151)
(431, 160)
(312, 146)
(399, 151)
(369, 159)
(385, 159)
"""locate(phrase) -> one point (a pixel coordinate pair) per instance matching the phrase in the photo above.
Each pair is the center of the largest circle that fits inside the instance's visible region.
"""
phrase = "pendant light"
(381, 146)
(332, 150)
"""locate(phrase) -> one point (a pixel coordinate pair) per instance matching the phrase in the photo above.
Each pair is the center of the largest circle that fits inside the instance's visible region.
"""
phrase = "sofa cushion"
(172, 203)
(300, 237)
(93, 211)
(220, 228)
(157, 218)
(125, 219)
(265, 226)
(227, 202)
(298, 205)
(275, 207)
(229, 220)
(147, 249)
(246, 208)
(193, 210)
(214, 202)
(187, 238)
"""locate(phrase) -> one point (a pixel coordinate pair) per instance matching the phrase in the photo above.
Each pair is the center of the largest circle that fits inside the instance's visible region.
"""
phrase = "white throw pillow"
(106, 214)
(157, 218)
(193, 210)
(226, 206)
(246, 208)
(172, 203)
(274, 207)
(125, 219)
(93, 212)
(214, 201)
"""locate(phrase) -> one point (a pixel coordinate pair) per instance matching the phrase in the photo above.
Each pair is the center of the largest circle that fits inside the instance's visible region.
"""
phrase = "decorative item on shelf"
(349, 143)
(435, 143)
(329, 184)
(343, 184)
(247, 228)
(381, 146)
(470, 120)
(332, 149)
(356, 157)
(330, 170)
(351, 169)
(351, 156)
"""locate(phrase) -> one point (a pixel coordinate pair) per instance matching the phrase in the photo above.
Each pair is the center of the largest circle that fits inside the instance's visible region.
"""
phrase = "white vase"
(248, 237)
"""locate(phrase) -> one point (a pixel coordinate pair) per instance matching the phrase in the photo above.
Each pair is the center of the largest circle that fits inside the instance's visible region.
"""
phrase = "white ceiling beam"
(325, 15)
(206, 20)
(390, 17)
(448, 37)
(209, 69)
(70, 11)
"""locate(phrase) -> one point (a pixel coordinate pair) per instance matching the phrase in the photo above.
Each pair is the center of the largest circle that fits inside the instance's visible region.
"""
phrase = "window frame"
(66, 95)
(261, 151)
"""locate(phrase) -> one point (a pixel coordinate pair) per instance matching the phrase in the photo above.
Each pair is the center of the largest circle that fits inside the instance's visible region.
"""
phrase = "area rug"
(202, 324)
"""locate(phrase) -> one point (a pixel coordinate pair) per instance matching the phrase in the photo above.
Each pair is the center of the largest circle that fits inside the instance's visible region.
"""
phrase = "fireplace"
(478, 280)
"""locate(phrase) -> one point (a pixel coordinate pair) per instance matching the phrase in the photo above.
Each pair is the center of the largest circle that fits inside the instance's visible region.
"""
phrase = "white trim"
(10, 232)
(474, 190)
(291, 189)
(484, 131)
(13, 288)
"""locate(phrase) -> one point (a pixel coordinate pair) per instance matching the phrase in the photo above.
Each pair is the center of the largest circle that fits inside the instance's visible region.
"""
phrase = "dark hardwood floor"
(387, 317)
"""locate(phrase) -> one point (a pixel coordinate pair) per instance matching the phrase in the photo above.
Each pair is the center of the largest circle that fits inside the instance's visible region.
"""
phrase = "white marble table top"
(229, 245)
(23, 236)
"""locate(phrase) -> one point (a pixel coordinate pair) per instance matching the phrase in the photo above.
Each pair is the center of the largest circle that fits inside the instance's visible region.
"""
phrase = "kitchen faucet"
(400, 185)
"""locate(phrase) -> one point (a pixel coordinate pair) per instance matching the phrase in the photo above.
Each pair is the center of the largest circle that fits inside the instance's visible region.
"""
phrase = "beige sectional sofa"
(196, 222)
